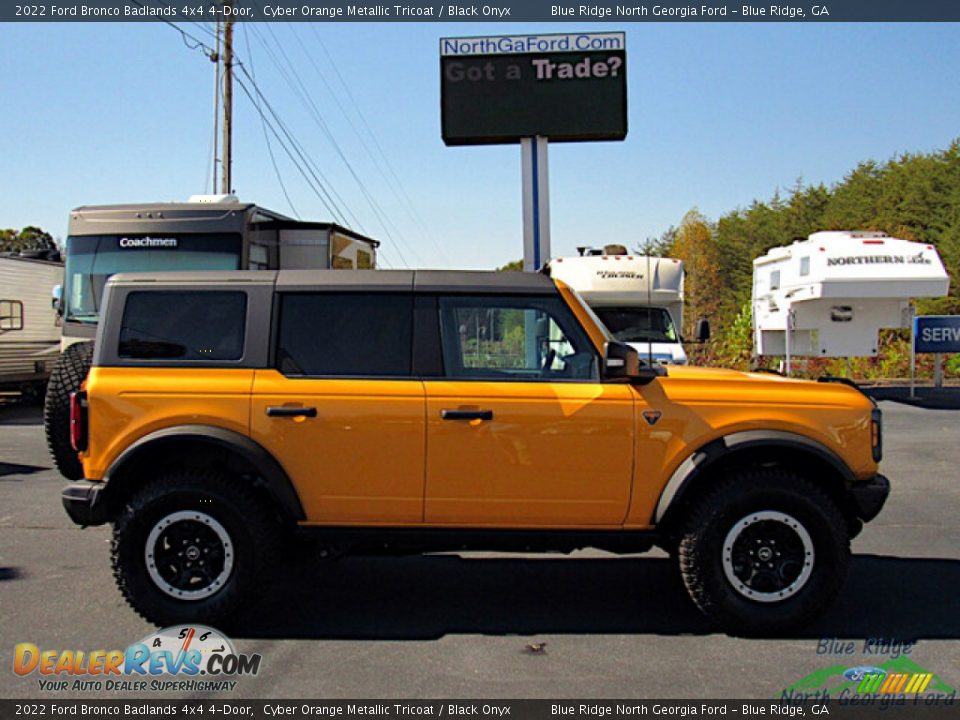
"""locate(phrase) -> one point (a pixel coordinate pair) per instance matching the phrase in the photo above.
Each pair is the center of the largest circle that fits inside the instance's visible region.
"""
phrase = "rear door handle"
(287, 411)
(466, 414)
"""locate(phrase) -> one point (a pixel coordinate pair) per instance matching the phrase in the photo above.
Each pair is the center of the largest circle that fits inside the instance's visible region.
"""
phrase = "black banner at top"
(489, 11)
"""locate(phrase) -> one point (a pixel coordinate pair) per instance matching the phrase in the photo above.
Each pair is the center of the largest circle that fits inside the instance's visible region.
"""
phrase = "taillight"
(78, 420)
(876, 434)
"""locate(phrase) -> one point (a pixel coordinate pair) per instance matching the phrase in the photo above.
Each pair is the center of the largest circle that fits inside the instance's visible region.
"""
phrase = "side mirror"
(56, 299)
(703, 330)
(622, 362)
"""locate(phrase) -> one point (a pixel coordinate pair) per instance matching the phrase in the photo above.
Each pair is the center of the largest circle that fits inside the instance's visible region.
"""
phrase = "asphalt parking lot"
(472, 627)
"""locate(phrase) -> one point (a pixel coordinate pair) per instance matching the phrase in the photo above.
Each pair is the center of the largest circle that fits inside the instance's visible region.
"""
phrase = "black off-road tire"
(252, 529)
(735, 501)
(68, 374)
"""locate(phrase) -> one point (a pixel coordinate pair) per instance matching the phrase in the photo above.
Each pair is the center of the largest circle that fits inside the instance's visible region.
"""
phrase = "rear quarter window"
(183, 326)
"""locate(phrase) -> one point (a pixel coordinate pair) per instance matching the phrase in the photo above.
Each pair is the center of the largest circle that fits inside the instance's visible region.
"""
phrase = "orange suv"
(429, 411)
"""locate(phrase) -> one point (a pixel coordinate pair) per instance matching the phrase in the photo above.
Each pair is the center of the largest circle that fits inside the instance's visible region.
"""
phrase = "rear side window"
(183, 326)
(345, 334)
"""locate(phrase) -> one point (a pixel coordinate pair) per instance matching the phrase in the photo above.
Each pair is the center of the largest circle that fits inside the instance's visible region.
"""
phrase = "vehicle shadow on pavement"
(930, 398)
(17, 413)
(7, 469)
(425, 597)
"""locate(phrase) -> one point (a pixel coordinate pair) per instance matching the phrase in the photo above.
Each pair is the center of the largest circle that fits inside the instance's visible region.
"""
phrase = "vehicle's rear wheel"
(764, 551)
(68, 374)
(191, 546)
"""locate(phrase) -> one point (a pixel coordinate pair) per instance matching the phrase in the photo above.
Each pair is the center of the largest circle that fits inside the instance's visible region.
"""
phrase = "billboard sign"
(937, 333)
(565, 87)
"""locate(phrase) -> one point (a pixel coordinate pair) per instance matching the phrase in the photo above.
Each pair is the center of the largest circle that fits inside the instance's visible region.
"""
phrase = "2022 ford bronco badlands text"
(428, 411)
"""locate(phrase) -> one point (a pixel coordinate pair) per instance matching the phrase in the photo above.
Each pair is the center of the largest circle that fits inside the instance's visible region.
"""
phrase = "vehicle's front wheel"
(191, 546)
(763, 552)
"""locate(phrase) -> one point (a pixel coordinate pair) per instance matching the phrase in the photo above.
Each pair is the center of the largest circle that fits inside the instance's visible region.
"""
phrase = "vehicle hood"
(691, 372)
(722, 384)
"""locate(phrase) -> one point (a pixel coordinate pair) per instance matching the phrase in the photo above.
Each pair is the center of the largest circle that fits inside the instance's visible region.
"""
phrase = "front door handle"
(288, 411)
(466, 414)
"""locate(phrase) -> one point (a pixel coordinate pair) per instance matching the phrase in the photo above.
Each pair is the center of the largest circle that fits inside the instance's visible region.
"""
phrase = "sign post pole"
(536, 203)
(937, 334)
(788, 340)
(564, 87)
(913, 352)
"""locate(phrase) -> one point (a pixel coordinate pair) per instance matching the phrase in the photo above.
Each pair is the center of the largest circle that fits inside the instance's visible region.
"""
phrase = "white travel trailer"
(638, 298)
(29, 326)
(835, 290)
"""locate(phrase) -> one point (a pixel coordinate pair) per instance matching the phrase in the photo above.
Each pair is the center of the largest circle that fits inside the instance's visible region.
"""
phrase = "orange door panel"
(528, 453)
(354, 449)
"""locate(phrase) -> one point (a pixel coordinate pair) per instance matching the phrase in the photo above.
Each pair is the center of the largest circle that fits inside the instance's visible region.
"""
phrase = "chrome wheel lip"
(766, 516)
(194, 516)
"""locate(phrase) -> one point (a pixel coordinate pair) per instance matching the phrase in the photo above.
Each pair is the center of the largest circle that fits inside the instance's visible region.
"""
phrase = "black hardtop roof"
(459, 281)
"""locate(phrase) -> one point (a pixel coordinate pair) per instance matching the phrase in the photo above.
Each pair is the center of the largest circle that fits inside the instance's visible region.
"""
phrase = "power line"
(308, 102)
(332, 188)
(409, 205)
(318, 176)
(315, 183)
(199, 44)
(194, 43)
(263, 124)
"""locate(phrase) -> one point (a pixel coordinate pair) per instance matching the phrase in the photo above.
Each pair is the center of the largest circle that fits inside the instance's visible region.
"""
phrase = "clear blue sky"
(719, 114)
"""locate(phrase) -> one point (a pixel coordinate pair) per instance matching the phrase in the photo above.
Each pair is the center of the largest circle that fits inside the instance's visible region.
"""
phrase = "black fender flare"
(275, 478)
(700, 460)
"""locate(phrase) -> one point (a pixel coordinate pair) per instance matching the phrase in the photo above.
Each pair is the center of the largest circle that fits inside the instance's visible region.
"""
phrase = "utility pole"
(227, 97)
(215, 58)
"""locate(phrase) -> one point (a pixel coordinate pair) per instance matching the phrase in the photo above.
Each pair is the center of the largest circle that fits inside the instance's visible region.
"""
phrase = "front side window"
(513, 338)
(183, 326)
(345, 334)
(775, 280)
(92, 259)
(805, 266)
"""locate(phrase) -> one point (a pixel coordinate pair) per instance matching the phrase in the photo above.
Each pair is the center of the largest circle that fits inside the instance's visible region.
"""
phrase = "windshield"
(92, 259)
(638, 324)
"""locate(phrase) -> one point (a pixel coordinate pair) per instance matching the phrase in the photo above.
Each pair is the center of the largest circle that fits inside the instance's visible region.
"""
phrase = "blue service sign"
(937, 333)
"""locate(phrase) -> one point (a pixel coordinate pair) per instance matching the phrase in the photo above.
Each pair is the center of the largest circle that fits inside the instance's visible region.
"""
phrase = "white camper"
(29, 326)
(836, 289)
(638, 298)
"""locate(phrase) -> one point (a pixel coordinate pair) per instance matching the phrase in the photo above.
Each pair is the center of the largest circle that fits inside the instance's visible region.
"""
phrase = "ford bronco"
(420, 411)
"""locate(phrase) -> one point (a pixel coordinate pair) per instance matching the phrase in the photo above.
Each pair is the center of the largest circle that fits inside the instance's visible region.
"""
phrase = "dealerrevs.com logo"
(190, 658)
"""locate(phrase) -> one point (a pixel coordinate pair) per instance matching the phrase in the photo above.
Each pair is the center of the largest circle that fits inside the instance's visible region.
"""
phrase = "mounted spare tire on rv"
(209, 232)
(638, 298)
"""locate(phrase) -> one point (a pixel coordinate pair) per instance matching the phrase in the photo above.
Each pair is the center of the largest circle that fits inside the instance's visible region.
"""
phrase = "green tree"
(29, 238)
